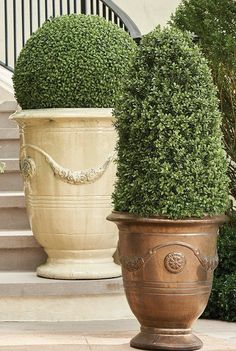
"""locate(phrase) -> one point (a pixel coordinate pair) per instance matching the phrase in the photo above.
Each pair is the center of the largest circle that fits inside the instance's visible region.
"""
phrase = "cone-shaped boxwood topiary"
(170, 157)
(72, 61)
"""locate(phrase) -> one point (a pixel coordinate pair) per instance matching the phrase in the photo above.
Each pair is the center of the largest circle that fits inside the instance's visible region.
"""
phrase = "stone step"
(9, 133)
(26, 297)
(13, 218)
(5, 122)
(8, 106)
(67, 336)
(15, 239)
(12, 164)
(6, 109)
(9, 148)
(105, 335)
(12, 211)
(11, 181)
(9, 199)
(19, 251)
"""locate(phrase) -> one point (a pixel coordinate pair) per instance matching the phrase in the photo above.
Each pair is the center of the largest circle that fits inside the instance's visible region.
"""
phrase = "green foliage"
(227, 250)
(73, 61)
(222, 300)
(213, 310)
(227, 298)
(170, 157)
(221, 304)
(214, 21)
(2, 167)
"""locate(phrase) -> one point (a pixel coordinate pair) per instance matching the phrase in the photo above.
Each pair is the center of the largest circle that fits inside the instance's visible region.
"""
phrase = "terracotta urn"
(66, 159)
(167, 268)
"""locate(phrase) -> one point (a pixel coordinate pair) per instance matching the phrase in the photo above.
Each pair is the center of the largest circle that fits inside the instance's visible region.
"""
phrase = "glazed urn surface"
(66, 159)
(167, 268)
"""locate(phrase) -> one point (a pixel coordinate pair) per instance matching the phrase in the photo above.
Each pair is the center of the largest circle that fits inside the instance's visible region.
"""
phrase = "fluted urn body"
(167, 268)
(66, 159)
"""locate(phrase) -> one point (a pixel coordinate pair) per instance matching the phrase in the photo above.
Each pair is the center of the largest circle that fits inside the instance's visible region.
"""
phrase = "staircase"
(23, 295)
(18, 248)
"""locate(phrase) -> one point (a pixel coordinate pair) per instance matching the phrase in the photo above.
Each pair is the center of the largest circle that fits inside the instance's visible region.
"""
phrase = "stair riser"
(9, 133)
(9, 148)
(13, 218)
(64, 308)
(12, 164)
(5, 122)
(10, 202)
(24, 259)
(11, 181)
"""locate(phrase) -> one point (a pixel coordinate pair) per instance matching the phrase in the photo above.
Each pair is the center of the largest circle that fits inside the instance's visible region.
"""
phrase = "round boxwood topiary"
(170, 157)
(72, 61)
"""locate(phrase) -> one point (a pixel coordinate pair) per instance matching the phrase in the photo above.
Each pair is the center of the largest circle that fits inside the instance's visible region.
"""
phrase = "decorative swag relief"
(87, 176)
(174, 262)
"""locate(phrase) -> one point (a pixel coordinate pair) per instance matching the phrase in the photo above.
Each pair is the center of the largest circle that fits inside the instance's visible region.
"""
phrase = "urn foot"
(166, 339)
(57, 269)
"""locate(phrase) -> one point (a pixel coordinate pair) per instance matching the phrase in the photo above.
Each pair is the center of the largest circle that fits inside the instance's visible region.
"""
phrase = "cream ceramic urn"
(66, 159)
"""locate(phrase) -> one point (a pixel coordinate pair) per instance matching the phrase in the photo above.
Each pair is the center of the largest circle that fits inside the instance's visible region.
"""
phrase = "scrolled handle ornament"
(132, 264)
(67, 175)
(174, 262)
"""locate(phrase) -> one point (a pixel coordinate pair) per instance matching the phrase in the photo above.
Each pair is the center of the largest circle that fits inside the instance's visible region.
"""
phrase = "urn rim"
(117, 216)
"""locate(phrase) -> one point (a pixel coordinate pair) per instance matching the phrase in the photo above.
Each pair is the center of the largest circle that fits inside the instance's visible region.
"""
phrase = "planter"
(66, 161)
(167, 270)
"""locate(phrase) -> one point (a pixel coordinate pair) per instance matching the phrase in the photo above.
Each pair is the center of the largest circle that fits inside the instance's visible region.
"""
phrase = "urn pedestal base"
(166, 339)
(76, 269)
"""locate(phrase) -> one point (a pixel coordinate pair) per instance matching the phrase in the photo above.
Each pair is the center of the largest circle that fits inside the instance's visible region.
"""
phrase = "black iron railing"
(20, 18)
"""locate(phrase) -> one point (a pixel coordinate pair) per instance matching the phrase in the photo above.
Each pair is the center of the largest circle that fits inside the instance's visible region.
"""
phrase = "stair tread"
(15, 232)
(28, 284)
(11, 193)
(10, 159)
(101, 335)
(68, 336)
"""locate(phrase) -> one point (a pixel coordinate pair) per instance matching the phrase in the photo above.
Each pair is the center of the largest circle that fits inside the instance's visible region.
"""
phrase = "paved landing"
(100, 335)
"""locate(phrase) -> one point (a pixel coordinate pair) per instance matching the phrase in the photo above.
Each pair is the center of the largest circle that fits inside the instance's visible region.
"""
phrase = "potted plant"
(171, 191)
(66, 80)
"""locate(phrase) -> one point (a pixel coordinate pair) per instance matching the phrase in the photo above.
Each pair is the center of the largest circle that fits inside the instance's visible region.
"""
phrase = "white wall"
(147, 14)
